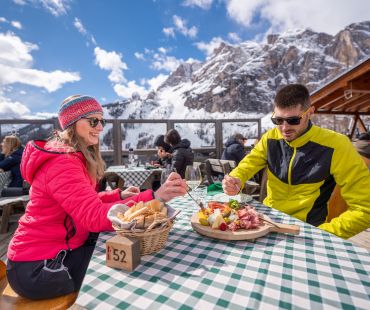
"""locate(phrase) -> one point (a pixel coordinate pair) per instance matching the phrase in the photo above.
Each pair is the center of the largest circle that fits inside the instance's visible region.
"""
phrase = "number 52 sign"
(123, 253)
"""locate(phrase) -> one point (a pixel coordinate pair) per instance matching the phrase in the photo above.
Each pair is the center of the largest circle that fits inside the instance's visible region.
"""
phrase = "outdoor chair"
(213, 170)
(7, 204)
(11, 300)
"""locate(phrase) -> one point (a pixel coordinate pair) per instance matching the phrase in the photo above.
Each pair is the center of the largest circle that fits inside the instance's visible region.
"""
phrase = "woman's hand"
(231, 185)
(130, 191)
(173, 187)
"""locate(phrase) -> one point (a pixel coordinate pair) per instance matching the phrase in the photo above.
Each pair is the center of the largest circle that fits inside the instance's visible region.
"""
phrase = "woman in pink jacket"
(50, 251)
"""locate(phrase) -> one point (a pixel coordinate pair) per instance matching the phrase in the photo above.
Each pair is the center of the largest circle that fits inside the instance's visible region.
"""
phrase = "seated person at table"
(10, 159)
(51, 248)
(304, 163)
(234, 148)
(182, 154)
(164, 151)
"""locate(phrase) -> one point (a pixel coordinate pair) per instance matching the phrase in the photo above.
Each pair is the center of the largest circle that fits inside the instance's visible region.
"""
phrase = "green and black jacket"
(303, 173)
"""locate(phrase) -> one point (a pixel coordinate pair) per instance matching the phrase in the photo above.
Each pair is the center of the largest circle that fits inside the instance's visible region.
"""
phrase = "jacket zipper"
(290, 169)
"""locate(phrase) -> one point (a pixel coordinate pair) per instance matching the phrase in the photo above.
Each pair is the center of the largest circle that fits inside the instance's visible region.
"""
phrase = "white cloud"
(208, 48)
(139, 56)
(169, 32)
(16, 66)
(81, 29)
(167, 63)
(328, 16)
(16, 24)
(14, 52)
(111, 61)
(12, 109)
(3, 20)
(203, 4)
(78, 24)
(242, 11)
(55, 7)
(128, 89)
(93, 39)
(163, 50)
(234, 37)
(20, 2)
(155, 82)
(51, 81)
(181, 26)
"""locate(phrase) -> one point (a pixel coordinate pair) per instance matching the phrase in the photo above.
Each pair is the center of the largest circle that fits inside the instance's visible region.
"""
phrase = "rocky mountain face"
(244, 78)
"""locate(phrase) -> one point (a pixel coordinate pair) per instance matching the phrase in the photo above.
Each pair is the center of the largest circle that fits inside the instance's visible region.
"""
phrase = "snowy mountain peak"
(241, 80)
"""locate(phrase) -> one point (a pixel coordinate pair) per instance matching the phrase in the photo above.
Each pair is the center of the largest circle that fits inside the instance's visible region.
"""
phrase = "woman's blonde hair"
(95, 163)
(12, 143)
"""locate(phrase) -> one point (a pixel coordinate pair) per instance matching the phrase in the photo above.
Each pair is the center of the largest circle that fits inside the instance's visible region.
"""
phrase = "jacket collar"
(305, 137)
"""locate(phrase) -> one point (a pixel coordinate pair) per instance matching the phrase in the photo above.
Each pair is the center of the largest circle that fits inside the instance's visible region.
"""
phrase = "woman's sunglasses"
(293, 120)
(94, 121)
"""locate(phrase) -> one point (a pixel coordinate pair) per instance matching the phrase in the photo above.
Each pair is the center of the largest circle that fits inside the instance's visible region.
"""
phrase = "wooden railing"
(115, 154)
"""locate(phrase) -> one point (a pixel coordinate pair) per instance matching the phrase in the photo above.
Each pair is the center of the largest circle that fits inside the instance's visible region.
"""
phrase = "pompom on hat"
(76, 107)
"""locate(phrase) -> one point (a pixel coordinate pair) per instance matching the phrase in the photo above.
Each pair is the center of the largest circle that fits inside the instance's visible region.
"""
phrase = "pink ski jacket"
(64, 206)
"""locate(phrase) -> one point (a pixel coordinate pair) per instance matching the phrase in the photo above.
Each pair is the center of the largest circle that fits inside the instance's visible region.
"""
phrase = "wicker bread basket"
(151, 240)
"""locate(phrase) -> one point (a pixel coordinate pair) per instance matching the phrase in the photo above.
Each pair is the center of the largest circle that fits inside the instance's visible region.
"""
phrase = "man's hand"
(130, 191)
(231, 185)
(173, 187)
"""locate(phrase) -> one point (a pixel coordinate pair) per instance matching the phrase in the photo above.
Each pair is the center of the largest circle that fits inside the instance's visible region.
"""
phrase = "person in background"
(164, 151)
(10, 159)
(52, 246)
(304, 163)
(182, 154)
(234, 148)
(362, 145)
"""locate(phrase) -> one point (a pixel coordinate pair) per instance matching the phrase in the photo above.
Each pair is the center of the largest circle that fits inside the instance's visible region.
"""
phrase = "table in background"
(5, 178)
(136, 176)
(315, 270)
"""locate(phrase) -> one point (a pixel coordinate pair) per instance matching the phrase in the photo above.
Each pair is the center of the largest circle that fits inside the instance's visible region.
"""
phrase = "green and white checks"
(135, 176)
(315, 270)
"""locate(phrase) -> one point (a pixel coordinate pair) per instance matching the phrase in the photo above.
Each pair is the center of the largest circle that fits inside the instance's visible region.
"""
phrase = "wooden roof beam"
(358, 98)
(363, 105)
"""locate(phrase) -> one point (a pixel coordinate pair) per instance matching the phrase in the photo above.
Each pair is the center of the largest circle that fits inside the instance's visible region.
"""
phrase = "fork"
(267, 221)
(200, 204)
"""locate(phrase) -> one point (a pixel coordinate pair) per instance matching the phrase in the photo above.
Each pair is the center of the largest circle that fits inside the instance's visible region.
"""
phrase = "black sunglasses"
(293, 120)
(94, 121)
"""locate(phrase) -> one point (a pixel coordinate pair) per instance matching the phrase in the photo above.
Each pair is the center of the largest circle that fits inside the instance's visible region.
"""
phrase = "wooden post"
(123, 253)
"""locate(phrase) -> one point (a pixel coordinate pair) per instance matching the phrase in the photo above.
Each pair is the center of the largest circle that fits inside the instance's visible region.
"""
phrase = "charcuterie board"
(244, 234)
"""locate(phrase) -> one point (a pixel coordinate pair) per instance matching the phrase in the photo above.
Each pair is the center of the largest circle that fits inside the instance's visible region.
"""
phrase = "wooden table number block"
(123, 253)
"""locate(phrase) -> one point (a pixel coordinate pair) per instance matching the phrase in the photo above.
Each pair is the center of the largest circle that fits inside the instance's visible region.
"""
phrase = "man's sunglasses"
(94, 121)
(293, 120)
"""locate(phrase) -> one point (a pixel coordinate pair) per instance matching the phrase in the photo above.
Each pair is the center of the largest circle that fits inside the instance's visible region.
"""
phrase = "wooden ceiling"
(346, 94)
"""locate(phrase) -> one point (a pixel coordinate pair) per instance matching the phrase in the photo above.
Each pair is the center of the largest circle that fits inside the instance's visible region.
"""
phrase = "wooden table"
(136, 176)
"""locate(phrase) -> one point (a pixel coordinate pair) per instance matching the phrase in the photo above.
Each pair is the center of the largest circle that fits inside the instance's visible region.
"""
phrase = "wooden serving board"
(243, 234)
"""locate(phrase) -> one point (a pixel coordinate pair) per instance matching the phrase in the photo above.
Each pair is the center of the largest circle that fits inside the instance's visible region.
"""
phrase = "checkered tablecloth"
(135, 176)
(5, 178)
(315, 270)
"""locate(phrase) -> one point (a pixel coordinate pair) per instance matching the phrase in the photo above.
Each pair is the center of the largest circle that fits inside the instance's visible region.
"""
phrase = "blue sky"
(50, 49)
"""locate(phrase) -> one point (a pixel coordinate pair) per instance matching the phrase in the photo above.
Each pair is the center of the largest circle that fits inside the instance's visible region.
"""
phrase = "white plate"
(222, 197)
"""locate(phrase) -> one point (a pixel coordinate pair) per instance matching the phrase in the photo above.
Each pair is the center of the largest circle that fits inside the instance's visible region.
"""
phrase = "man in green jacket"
(304, 163)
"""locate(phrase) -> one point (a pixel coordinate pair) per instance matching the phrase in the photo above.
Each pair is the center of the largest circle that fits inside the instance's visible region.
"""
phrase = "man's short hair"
(292, 95)
(238, 136)
(172, 137)
(159, 141)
